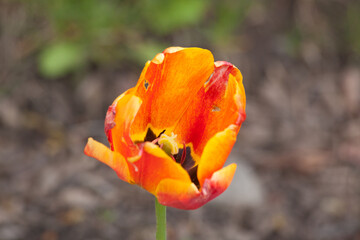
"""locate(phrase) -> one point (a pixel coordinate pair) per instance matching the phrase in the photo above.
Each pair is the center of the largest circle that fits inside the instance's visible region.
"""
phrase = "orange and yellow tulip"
(172, 132)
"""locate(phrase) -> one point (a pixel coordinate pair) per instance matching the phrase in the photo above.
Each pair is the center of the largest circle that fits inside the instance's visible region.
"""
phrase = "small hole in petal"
(146, 84)
(215, 109)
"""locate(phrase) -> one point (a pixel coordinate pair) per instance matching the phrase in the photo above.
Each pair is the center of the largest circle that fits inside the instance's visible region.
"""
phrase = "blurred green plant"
(107, 216)
(293, 42)
(108, 31)
(164, 16)
(59, 58)
(228, 15)
(353, 26)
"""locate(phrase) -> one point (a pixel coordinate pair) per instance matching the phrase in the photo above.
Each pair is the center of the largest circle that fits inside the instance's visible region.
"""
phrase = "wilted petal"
(119, 119)
(218, 104)
(186, 196)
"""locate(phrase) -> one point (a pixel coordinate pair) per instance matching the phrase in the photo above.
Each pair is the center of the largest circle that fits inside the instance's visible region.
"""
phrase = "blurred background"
(63, 62)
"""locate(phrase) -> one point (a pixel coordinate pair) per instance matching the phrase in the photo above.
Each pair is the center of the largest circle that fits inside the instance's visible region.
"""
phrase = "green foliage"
(108, 216)
(228, 16)
(293, 41)
(60, 58)
(165, 16)
(107, 32)
(353, 26)
(85, 18)
(144, 51)
(118, 30)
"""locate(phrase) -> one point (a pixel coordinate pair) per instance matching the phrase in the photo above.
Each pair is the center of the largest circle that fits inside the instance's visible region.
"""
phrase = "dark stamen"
(183, 155)
(150, 136)
(193, 176)
(161, 133)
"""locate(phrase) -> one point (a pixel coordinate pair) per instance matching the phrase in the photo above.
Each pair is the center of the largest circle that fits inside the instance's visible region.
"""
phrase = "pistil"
(169, 144)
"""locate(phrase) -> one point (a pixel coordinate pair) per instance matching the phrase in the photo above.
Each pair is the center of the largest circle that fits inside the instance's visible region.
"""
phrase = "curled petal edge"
(114, 160)
(119, 119)
(183, 195)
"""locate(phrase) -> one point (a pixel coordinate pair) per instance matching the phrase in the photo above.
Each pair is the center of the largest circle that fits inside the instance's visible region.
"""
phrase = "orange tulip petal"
(155, 165)
(186, 196)
(219, 181)
(167, 87)
(175, 193)
(119, 118)
(183, 92)
(114, 160)
(241, 101)
(215, 153)
(218, 104)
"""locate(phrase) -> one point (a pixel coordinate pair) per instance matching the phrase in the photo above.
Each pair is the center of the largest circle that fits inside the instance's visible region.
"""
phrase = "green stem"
(160, 220)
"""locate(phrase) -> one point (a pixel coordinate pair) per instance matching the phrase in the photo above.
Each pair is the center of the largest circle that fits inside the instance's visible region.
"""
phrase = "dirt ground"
(298, 151)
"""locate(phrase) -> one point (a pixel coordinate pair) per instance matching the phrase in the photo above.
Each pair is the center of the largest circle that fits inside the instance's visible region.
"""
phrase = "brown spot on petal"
(146, 84)
(215, 109)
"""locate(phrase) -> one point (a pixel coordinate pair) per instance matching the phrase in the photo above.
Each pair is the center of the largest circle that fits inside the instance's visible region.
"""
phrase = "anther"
(168, 144)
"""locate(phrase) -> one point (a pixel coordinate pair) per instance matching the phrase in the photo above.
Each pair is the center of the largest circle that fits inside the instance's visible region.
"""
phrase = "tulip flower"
(172, 133)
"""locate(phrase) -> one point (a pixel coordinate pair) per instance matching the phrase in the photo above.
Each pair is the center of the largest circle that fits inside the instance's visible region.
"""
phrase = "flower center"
(168, 144)
(181, 155)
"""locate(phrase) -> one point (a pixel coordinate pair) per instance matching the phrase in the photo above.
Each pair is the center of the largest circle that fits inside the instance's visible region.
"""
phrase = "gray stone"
(245, 190)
